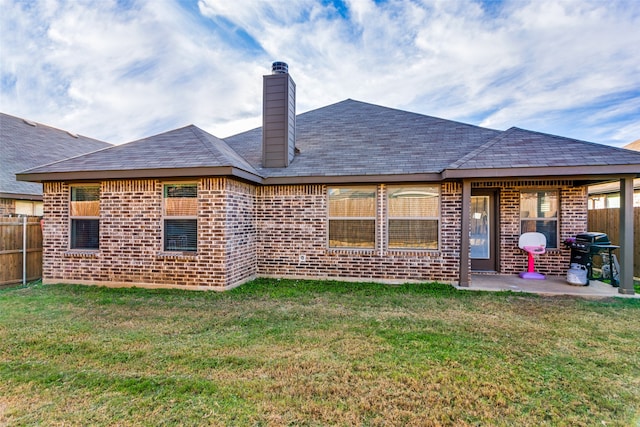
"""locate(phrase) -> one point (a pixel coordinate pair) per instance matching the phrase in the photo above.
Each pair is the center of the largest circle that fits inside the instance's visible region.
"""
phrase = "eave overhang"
(21, 196)
(140, 174)
(581, 172)
(352, 179)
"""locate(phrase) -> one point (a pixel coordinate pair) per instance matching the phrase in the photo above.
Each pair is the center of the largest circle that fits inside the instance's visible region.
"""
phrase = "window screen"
(181, 217)
(414, 216)
(84, 212)
(352, 217)
(539, 213)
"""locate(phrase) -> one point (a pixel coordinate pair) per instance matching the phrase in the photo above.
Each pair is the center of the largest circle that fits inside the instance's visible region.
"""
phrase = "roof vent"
(73, 135)
(279, 68)
(30, 123)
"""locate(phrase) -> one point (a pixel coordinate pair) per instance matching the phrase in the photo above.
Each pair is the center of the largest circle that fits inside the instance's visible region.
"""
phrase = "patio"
(552, 285)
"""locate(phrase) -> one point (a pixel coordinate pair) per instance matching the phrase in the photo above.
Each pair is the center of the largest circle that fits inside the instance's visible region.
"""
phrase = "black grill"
(585, 246)
(591, 243)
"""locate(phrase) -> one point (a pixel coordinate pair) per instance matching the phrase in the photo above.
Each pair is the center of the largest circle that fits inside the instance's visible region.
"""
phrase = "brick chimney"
(278, 117)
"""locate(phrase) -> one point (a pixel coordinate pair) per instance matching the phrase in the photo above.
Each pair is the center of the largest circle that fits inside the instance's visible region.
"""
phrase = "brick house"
(27, 144)
(352, 190)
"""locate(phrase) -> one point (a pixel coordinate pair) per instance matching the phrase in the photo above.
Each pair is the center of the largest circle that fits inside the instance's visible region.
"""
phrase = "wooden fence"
(608, 221)
(14, 233)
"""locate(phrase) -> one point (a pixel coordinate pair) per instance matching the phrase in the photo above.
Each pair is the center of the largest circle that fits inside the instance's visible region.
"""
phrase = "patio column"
(626, 236)
(465, 228)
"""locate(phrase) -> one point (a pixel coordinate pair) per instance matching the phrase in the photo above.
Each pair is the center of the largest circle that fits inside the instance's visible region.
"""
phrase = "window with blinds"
(414, 216)
(84, 214)
(180, 217)
(539, 213)
(352, 217)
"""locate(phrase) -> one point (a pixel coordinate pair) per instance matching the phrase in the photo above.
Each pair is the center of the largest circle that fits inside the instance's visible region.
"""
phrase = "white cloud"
(118, 73)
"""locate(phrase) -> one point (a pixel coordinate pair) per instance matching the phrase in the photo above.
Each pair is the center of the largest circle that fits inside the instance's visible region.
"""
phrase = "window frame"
(73, 217)
(373, 218)
(166, 217)
(553, 218)
(437, 218)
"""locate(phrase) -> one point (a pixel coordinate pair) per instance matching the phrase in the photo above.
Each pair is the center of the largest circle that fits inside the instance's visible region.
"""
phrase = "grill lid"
(593, 238)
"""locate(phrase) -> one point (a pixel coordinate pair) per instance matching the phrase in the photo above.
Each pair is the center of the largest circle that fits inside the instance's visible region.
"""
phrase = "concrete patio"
(552, 285)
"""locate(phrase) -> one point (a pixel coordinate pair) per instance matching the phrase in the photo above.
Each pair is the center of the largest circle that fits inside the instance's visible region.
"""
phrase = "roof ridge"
(206, 144)
(470, 155)
(203, 136)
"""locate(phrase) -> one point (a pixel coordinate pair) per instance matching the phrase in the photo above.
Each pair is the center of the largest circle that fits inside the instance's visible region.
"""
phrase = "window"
(28, 208)
(539, 213)
(414, 216)
(181, 217)
(352, 217)
(84, 212)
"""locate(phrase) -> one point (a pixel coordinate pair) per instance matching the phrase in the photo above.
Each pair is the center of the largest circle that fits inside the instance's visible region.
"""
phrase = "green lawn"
(314, 354)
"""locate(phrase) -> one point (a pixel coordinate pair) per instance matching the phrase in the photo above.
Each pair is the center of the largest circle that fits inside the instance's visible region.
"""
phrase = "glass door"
(483, 232)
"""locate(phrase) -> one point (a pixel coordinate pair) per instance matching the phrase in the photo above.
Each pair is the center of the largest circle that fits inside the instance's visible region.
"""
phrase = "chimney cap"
(279, 67)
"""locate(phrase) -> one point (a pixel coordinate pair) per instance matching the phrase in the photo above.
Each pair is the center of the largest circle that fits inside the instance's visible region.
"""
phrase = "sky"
(121, 70)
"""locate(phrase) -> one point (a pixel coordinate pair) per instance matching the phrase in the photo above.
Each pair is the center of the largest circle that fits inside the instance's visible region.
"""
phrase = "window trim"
(82, 217)
(556, 218)
(437, 218)
(330, 218)
(178, 217)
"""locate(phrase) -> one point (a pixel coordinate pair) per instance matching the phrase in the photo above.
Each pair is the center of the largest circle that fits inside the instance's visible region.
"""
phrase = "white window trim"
(71, 218)
(556, 218)
(357, 218)
(438, 218)
(178, 217)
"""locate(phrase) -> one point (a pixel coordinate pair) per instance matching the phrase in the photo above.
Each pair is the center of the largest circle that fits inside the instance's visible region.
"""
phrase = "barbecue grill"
(585, 246)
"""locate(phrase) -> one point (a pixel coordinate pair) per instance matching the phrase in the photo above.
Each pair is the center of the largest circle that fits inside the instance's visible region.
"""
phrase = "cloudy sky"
(119, 70)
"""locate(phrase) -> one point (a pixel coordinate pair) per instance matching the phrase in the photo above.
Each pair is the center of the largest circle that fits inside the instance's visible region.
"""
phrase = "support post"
(465, 228)
(626, 236)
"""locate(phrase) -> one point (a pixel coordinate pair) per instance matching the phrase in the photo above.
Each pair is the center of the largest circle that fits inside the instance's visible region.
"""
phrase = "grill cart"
(583, 248)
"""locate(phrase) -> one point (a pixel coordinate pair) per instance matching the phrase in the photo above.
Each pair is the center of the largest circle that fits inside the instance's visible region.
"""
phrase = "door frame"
(493, 262)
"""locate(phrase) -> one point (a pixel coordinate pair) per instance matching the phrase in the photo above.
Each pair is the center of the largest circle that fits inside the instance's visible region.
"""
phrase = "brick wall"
(572, 220)
(131, 225)
(246, 231)
(292, 240)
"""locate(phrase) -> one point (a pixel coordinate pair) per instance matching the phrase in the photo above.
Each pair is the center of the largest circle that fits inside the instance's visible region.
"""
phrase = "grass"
(274, 353)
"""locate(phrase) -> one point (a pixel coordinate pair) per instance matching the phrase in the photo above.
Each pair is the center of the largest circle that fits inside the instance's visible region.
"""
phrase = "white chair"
(532, 244)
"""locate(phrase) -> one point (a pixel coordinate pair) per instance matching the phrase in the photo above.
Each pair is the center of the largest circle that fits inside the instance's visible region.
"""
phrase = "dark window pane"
(181, 190)
(85, 194)
(411, 233)
(548, 228)
(181, 235)
(85, 233)
(352, 233)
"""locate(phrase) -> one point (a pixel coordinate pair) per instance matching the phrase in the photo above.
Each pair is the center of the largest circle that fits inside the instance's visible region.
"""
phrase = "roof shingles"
(24, 144)
(353, 138)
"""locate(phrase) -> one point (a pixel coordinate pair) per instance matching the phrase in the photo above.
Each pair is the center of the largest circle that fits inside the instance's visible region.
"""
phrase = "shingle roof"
(187, 147)
(519, 148)
(355, 140)
(25, 144)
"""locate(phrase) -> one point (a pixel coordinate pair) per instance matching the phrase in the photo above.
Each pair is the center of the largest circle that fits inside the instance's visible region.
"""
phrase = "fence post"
(24, 250)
